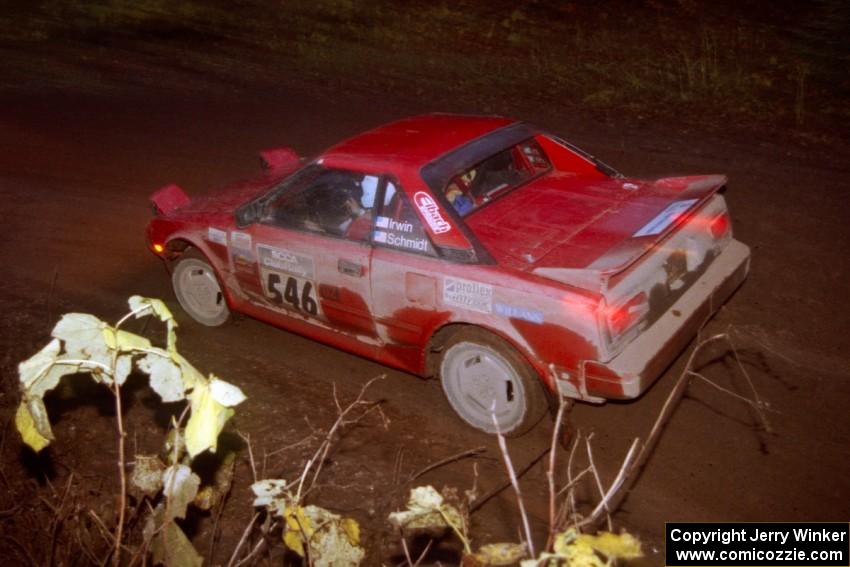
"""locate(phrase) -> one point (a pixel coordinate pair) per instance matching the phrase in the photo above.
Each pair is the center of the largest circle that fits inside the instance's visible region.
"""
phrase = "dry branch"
(550, 472)
(320, 456)
(633, 465)
(529, 542)
(448, 460)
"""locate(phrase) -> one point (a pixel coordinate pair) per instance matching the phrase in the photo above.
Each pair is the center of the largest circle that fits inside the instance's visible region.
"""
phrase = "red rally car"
(482, 250)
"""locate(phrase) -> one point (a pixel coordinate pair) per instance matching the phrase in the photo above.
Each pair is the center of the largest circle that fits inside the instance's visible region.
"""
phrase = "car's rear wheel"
(482, 374)
(198, 290)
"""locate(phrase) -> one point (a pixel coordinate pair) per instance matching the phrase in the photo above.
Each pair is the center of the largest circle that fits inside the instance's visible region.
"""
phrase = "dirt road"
(75, 173)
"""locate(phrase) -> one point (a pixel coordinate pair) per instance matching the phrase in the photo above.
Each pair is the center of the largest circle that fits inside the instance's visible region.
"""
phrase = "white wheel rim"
(199, 292)
(478, 382)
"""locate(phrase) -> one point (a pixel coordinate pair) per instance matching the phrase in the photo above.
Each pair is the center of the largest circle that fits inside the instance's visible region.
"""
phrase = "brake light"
(719, 225)
(623, 317)
(158, 248)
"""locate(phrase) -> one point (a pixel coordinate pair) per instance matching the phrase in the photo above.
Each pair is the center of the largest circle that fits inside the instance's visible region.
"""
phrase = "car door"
(310, 253)
(406, 276)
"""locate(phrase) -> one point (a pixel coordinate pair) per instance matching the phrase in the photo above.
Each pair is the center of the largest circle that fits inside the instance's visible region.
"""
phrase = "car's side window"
(398, 226)
(327, 201)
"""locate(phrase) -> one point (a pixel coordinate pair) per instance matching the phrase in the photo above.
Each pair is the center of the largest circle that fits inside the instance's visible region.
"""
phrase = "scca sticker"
(431, 212)
(286, 261)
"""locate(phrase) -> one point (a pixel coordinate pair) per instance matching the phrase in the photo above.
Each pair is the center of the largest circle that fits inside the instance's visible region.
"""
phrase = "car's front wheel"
(198, 290)
(482, 376)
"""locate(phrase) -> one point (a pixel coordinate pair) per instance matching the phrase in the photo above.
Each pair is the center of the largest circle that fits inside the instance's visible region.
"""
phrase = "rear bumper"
(634, 370)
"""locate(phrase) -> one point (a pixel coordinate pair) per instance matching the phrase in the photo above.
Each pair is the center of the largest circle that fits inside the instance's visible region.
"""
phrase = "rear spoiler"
(691, 193)
(279, 158)
(167, 199)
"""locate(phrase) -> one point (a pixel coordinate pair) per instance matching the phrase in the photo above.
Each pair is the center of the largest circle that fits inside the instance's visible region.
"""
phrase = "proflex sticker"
(515, 312)
(217, 235)
(665, 218)
(287, 261)
(467, 294)
(431, 212)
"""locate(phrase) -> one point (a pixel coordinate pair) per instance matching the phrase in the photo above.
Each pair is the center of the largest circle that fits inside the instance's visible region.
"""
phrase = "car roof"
(415, 141)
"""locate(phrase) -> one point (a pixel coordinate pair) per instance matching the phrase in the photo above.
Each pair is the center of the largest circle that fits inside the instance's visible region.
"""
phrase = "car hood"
(569, 222)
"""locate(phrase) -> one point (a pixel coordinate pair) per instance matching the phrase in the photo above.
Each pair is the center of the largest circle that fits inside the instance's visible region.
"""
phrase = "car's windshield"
(493, 177)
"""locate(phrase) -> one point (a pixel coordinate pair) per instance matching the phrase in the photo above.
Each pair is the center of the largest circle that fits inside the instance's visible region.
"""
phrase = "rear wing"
(167, 199)
(690, 194)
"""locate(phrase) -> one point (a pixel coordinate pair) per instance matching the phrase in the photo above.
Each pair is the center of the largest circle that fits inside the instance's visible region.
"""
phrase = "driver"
(456, 196)
(359, 203)
(342, 206)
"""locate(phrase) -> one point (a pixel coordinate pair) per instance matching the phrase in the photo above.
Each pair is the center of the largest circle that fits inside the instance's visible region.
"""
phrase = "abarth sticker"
(514, 312)
(468, 294)
(217, 235)
(287, 261)
(431, 212)
(665, 218)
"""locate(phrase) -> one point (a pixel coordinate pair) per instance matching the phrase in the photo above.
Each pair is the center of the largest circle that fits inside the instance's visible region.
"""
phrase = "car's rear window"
(496, 175)
(487, 168)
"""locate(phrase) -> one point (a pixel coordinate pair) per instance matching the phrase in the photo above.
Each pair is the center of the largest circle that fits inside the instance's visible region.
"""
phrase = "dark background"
(103, 102)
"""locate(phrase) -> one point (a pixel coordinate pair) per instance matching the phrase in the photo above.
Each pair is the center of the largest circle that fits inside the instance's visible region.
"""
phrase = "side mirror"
(249, 213)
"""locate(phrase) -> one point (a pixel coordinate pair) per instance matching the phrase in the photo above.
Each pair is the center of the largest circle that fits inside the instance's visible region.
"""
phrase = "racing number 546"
(302, 300)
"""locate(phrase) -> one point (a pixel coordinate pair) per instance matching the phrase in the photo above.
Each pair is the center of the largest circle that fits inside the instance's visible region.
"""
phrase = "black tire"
(476, 369)
(198, 289)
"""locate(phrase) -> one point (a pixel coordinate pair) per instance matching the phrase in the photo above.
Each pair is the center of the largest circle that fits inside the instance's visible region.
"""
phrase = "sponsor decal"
(401, 241)
(515, 312)
(290, 293)
(665, 218)
(468, 294)
(217, 235)
(394, 225)
(240, 240)
(431, 212)
(240, 247)
(286, 261)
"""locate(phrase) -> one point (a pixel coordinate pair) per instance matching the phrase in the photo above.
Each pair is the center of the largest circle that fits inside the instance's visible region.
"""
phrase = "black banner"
(758, 544)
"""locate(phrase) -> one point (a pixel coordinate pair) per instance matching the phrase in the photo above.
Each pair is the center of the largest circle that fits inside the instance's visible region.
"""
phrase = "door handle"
(350, 268)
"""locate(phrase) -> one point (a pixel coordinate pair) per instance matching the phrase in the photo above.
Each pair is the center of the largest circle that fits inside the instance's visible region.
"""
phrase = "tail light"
(719, 225)
(620, 318)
